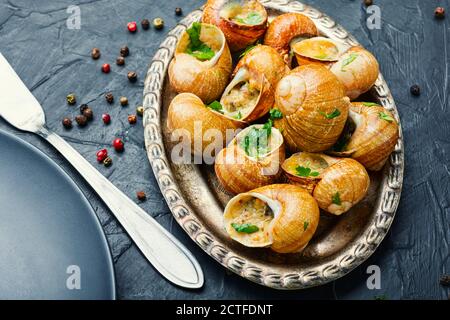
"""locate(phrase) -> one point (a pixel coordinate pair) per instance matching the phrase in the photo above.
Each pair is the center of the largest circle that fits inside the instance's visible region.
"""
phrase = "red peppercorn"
(106, 68)
(118, 145)
(102, 155)
(106, 118)
(132, 26)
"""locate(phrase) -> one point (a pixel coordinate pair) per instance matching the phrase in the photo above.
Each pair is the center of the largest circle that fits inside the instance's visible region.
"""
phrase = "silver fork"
(21, 109)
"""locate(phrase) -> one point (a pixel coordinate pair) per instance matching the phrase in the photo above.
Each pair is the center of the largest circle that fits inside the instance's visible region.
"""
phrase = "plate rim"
(343, 262)
(71, 181)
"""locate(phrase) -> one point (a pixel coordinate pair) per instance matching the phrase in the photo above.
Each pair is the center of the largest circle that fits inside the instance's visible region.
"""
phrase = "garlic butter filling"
(246, 13)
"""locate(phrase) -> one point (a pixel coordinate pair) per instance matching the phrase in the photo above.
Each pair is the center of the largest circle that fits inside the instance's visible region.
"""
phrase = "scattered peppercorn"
(106, 118)
(95, 53)
(368, 2)
(107, 162)
(145, 24)
(141, 195)
(140, 111)
(71, 99)
(88, 113)
(439, 13)
(83, 107)
(120, 61)
(102, 155)
(178, 11)
(109, 97)
(445, 280)
(132, 26)
(132, 76)
(132, 119)
(415, 90)
(158, 23)
(124, 51)
(81, 120)
(106, 68)
(118, 145)
(67, 123)
(123, 101)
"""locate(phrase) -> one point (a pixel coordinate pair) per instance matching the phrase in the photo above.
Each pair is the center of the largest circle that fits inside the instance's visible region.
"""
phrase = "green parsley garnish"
(386, 117)
(245, 228)
(369, 104)
(332, 115)
(336, 199)
(306, 172)
(256, 142)
(238, 116)
(253, 18)
(321, 56)
(275, 114)
(248, 49)
(216, 106)
(305, 225)
(349, 60)
(196, 47)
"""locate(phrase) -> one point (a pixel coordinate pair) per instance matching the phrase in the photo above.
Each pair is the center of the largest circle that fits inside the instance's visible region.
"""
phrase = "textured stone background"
(412, 47)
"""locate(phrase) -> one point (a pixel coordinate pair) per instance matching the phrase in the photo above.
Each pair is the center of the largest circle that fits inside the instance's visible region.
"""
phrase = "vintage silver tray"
(196, 200)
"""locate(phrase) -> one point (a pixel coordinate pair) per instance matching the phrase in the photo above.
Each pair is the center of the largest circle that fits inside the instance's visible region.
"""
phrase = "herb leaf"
(369, 104)
(386, 117)
(253, 18)
(196, 47)
(306, 172)
(238, 116)
(275, 114)
(332, 115)
(256, 142)
(247, 50)
(336, 199)
(349, 60)
(245, 228)
(216, 106)
(305, 225)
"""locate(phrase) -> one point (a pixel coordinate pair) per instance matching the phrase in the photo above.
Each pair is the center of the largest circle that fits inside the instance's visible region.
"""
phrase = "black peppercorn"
(158, 23)
(439, 13)
(445, 280)
(124, 51)
(132, 76)
(95, 53)
(109, 97)
(83, 107)
(67, 123)
(145, 24)
(81, 120)
(132, 119)
(71, 99)
(178, 11)
(141, 195)
(107, 162)
(368, 2)
(123, 101)
(120, 61)
(415, 90)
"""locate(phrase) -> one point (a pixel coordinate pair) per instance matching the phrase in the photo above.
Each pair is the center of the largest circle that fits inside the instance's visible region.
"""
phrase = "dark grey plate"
(48, 231)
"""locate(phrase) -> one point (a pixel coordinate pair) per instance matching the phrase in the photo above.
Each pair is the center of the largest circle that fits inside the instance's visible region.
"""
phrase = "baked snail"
(251, 160)
(202, 63)
(242, 21)
(281, 216)
(251, 92)
(337, 184)
(358, 70)
(370, 135)
(314, 107)
(186, 111)
(318, 50)
(286, 29)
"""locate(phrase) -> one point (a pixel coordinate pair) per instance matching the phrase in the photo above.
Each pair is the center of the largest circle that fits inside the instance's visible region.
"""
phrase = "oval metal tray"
(196, 199)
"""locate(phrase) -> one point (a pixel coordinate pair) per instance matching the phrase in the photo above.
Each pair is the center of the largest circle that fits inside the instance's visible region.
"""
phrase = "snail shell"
(337, 184)
(373, 138)
(251, 92)
(318, 50)
(230, 16)
(314, 108)
(240, 172)
(358, 70)
(286, 216)
(206, 79)
(286, 29)
(188, 113)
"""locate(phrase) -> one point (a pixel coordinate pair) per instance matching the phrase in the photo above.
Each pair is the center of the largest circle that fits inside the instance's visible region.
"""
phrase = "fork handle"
(161, 248)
